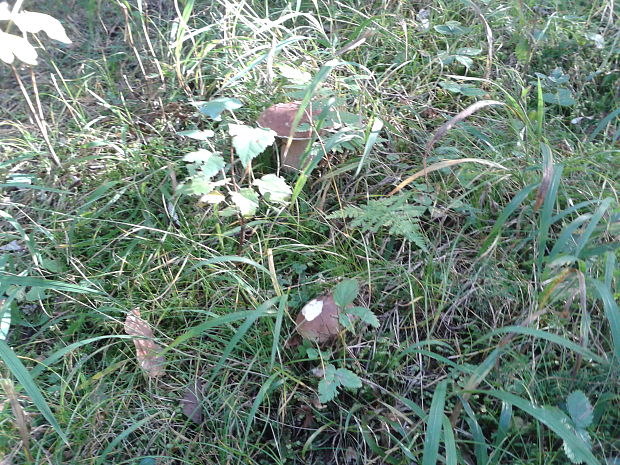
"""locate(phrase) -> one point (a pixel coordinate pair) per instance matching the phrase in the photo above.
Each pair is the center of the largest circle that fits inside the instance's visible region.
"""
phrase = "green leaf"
(562, 97)
(249, 142)
(199, 185)
(580, 409)
(33, 22)
(346, 322)
(469, 51)
(346, 292)
(208, 163)
(464, 60)
(214, 108)
(295, 75)
(465, 89)
(522, 51)
(347, 379)
(274, 188)
(197, 134)
(328, 386)
(365, 314)
(451, 28)
(246, 201)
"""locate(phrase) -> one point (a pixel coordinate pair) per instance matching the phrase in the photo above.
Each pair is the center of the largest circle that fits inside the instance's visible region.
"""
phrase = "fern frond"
(393, 213)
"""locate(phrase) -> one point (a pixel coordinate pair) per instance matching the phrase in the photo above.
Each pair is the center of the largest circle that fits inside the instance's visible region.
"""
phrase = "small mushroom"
(318, 321)
(279, 118)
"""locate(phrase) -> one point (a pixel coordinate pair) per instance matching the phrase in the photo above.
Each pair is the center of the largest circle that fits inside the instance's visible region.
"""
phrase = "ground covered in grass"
(463, 197)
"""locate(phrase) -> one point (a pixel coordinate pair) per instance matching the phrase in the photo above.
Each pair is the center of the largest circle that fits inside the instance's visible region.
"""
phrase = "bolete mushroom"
(318, 321)
(279, 118)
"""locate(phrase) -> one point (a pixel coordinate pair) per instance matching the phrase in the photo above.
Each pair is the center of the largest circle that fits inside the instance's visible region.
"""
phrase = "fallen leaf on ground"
(191, 403)
(147, 351)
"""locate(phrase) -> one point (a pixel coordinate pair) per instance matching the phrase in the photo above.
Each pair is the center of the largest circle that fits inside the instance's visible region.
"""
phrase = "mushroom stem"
(291, 160)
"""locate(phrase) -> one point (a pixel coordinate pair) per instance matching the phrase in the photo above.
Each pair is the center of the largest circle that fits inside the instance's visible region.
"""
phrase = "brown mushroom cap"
(322, 327)
(280, 117)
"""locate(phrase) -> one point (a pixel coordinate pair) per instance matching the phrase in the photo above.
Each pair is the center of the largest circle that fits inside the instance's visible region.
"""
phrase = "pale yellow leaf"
(29, 21)
(14, 45)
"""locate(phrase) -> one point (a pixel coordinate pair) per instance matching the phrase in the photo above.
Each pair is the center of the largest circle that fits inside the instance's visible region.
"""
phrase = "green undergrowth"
(493, 274)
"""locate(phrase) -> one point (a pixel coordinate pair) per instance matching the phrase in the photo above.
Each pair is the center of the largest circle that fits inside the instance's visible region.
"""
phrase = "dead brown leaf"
(147, 351)
(191, 403)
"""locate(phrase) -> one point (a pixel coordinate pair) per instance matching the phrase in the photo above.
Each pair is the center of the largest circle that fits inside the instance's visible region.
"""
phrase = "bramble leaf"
(249, 142)
(364, 314)
(214, 108)
(345, 292)
(274, 188)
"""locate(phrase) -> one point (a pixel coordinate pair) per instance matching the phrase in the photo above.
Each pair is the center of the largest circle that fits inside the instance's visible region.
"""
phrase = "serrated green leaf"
(347, 379)
(579, 409)
(199, 185)
(208, 163)
(246, 201)
(214, 108)
(328, 386)
(327, 391)
(346, 292)
(249, 142)
(365, 314)
(345, 321)
(274, 188)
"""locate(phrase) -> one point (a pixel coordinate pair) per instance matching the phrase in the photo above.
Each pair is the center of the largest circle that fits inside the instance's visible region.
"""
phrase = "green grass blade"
(604, 122)
(49, 361)
(276, 331)
(612, 313)
(258, 400)
(22, 375)
(433, 425)
(503, 217)
(122, 436)
(480, 442)
(503, 427)
(449, 441)
(229, 259)
(371, 139)
(42, 283)
(610, 269)
(547, 336)
(596, 217)
(554, 419)
(548, 204)
(209, 324)
(562, 243)
(254, 315)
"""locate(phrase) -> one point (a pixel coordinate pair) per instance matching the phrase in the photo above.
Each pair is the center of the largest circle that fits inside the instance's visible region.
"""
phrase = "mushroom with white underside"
(280, 118)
